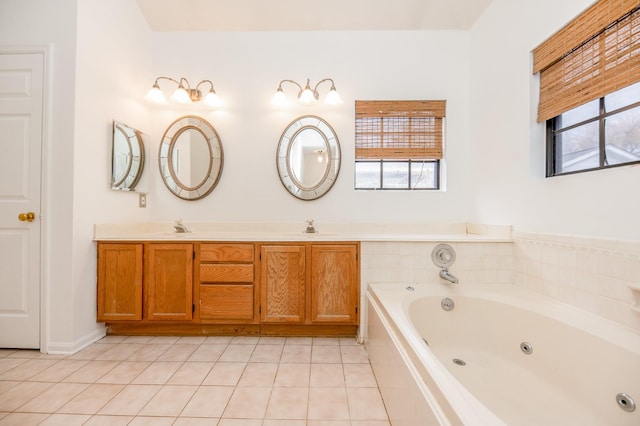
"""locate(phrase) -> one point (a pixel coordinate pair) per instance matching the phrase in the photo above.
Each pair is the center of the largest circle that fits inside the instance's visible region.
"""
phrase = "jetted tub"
(501, 355)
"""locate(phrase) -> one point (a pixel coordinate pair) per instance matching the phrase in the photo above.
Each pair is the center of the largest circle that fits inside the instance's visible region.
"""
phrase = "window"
(399, 144)
(602, 133)
(589, 89)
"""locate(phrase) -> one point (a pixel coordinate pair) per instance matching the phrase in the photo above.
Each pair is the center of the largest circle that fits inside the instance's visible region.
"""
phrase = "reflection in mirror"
(308, 157)
(191, 158)
(127, 157)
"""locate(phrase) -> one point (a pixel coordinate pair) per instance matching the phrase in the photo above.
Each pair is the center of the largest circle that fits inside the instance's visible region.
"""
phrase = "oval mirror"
(190, 158)
(127, 157)
(308, 157)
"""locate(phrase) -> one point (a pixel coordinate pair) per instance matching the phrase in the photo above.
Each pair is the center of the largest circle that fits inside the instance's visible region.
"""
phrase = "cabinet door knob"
(27, 217)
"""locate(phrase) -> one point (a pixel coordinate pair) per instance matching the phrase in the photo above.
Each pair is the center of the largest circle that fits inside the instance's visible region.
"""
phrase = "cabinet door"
(119, 282)
(282, 276)
(169, 281)
(334, 283)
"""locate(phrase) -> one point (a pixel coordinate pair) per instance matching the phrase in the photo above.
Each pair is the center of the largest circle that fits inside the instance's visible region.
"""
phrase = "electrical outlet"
(142, 200)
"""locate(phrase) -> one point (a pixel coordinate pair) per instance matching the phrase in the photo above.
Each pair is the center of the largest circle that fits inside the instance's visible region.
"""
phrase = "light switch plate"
(142, 200)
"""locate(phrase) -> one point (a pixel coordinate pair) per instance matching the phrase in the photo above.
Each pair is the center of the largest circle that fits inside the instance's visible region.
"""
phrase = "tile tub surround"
(593, 274)
(194, 380)
(410, 262)
(596, 275)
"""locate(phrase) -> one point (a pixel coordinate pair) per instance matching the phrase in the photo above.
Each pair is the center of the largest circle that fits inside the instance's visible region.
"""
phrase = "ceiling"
(311, 15)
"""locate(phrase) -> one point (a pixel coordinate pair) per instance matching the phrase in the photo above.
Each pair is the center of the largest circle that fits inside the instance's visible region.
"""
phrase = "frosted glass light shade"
(307, 97)
(181, 96)
(156, 95)
(279, 98)
(212, 99)
(333, 98)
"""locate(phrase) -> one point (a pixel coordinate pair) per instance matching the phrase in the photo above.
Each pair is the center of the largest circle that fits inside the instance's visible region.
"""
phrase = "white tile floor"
(166, 380)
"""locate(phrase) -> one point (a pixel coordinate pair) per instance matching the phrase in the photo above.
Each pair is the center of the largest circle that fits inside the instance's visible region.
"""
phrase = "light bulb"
(181, 96)
(156, 95)
(279, 98)
(212, 99)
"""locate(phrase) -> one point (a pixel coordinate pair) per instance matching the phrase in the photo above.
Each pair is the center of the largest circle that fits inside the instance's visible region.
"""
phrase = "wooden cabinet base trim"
(309, 330)
(171, 329)
(137, 329)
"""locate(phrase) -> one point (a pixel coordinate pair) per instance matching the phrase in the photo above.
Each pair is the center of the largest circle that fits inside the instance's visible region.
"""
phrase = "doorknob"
(27, 217)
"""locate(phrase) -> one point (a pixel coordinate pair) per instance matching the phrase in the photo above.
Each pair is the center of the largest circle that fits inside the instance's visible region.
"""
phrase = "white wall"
(246, 69)
(507, 145)
(113, 60)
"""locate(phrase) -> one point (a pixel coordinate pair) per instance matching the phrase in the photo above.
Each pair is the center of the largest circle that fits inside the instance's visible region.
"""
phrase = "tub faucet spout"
(446, 275)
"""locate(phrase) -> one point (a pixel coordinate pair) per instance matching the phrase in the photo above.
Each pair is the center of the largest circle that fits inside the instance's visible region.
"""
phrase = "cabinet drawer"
(226, 273)
(226, 252)
(226, 302)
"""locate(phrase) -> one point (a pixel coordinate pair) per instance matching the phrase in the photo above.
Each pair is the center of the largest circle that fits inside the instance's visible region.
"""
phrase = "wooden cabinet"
(169, 281)
(226, 282)
(302, 288)
(309, 283)
(119, 282)
(139, 281)
(282, 283)
(334, 284)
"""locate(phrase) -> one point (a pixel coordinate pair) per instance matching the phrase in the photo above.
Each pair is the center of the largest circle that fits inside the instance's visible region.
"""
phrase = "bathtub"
(502, 355)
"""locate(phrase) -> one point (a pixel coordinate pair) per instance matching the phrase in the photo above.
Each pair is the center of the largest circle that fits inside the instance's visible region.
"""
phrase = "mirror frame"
(165, 156)
(136, 154)
(287, 178)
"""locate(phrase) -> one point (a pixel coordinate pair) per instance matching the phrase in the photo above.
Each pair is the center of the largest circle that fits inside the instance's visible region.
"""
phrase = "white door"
(21, 100)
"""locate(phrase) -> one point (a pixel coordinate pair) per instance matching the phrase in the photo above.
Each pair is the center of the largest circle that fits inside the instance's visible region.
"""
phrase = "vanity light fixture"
(184, 94)
(307, 95)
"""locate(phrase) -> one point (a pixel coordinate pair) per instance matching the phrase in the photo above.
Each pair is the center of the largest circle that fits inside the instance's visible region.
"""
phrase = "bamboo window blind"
(594, 55)
(403, 130)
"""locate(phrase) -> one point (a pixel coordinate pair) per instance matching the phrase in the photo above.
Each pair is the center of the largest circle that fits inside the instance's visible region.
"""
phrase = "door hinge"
(356, 310)
(194, 254)
(193, 307)
(260, 309)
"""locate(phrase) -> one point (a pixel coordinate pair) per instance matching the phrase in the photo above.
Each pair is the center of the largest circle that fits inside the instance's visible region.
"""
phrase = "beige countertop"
(292, 232)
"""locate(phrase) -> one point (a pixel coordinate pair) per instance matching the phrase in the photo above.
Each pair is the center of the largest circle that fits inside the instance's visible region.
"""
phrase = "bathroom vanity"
(197, 287)
(256, 278)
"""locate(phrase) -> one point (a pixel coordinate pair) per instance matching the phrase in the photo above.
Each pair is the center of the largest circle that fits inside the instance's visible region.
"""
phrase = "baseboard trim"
(64, 348)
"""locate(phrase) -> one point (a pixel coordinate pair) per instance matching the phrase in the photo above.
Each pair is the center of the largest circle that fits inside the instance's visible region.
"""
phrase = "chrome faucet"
(180, 228)
(310, 229)
(446, 275)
